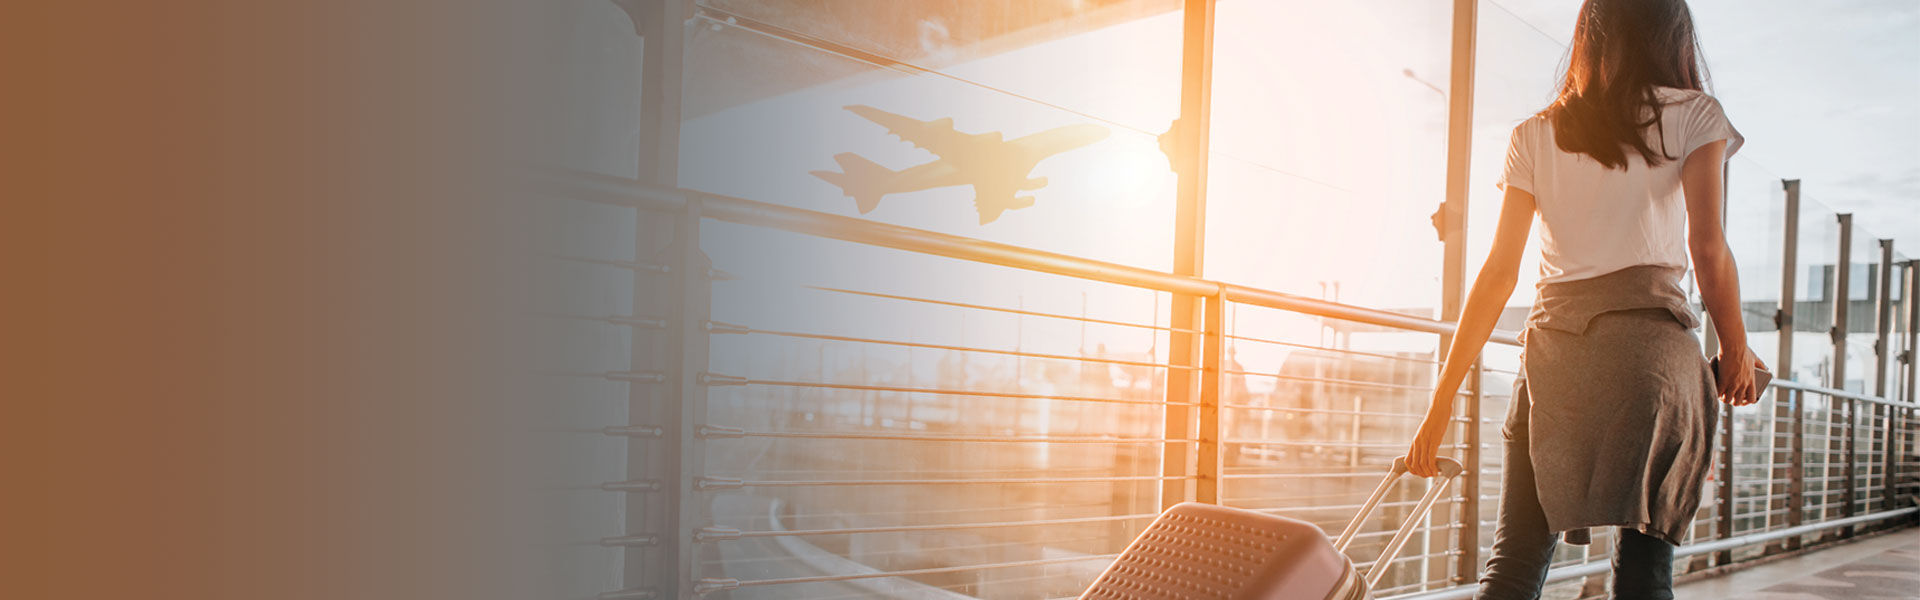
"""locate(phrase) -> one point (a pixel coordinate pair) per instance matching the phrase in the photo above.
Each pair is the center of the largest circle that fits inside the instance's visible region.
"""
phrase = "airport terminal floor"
(1884, 566)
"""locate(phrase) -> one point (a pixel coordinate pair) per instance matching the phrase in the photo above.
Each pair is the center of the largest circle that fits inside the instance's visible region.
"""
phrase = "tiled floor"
(1881, 568)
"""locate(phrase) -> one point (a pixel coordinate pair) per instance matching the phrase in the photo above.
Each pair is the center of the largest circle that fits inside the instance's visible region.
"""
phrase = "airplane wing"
(1060, 139)
(937, 136)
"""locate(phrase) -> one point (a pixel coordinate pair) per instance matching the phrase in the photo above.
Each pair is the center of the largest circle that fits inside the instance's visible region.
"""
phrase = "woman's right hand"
(1423, 454)
(1736, 376)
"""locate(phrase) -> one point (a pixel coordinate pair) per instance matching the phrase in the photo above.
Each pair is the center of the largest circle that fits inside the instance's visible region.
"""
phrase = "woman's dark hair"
(1622, 50)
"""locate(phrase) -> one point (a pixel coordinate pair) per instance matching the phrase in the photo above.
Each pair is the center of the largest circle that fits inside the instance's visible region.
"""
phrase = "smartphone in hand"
(1761, 377)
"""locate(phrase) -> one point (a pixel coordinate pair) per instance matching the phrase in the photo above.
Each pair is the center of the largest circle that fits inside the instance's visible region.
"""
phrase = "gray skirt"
(1620, 415)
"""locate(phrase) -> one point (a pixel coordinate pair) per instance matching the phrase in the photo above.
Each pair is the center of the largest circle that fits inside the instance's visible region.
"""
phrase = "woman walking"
(1612, 421)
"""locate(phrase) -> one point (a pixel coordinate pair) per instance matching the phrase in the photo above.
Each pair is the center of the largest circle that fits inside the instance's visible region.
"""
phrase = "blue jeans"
(1523, 547)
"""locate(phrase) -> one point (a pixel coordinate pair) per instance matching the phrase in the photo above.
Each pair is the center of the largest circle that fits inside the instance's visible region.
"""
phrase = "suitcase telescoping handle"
(1449, 468)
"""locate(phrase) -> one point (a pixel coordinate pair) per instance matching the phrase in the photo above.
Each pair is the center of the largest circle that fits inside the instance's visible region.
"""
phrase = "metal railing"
(777, 484)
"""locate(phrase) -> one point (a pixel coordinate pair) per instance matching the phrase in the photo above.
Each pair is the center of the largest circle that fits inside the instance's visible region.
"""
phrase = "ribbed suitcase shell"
(1204, 551)
(1199, 551)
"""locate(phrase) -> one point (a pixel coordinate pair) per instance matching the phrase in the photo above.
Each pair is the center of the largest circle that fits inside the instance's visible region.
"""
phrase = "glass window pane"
(1813, 313)
(1755, 228)
(1519, 49)
(1324, 171)
(595, 123)
(859, 378)
(871, 355)
(1034, 129)
(1863, 290)
(1311, 411)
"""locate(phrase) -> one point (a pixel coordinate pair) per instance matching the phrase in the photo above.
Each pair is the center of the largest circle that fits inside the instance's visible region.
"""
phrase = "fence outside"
(744, 480)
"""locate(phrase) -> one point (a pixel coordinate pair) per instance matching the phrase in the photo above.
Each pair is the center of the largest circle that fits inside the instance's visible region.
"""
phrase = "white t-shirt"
(1596, 220)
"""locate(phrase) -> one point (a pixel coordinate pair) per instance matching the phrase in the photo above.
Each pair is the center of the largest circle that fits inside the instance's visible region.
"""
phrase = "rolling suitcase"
(1195, 551)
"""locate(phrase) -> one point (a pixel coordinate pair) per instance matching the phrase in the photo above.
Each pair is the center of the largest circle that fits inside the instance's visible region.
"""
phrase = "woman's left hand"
(1423, 455)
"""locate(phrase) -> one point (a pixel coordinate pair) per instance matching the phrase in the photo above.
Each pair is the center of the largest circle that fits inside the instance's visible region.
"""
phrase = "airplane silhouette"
(998, 170)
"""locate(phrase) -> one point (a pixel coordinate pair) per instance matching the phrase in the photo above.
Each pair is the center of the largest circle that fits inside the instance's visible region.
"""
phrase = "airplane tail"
(861, 179)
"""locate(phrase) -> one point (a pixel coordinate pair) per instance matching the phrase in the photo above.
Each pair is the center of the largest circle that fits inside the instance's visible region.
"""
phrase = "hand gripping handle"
(1449, 469)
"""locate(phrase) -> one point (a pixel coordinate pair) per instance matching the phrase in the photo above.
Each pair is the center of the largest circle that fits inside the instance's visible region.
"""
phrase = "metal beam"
(1842, 280)
(1188, 137)
(1453, 266)
(666, 569)
(1453, 214)
(1786, 406)
(1899, 418)
(1913, 333)
(1883, 317)
(1789, 275)
(1904, 416)
(1842, 297)
(1882, 346)
(662, 26)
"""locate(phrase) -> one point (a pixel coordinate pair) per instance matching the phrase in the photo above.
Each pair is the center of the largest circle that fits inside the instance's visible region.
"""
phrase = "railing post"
(1883, 317)
(1882, 346)
(1212, 380)
(1908, 315)
(1844, 408)
(1182, 394)
(1188, 155)
(660, 492)
(1724, 524)
(1796, 469)
(1911, 359)
(686, 397)
(1784, 326)
(1468, 569)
